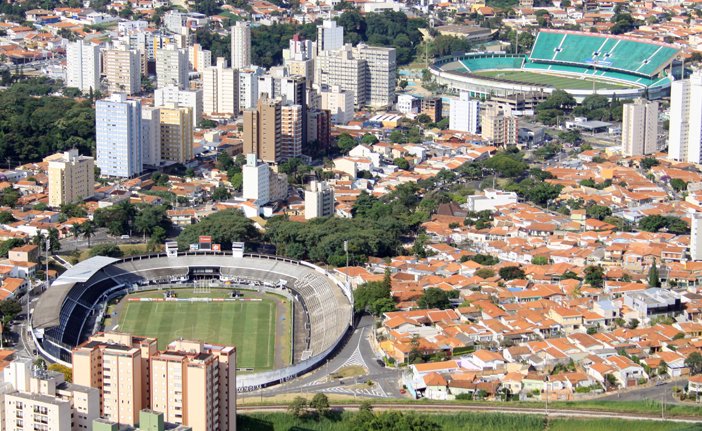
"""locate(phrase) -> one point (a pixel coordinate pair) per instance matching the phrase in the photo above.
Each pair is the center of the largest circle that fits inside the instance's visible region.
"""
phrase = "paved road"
(357, 351)
(662, 392)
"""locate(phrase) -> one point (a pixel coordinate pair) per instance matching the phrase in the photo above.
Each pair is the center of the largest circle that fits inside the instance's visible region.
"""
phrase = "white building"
(199, 58)
(329, 36)
(319, 200)
(241, 45)
(381, 74)
(174, 95)
(220, 86)
(490, 200)
(122, 69)
(339, 102)
(465, 114)
(83, 66)
(118, 139)
(256, 180)
(172, 67)
(640, 128)
(151, 136)
(408, 104)
(43, 400)
(248, 87)
(685, 137)
(696, 236)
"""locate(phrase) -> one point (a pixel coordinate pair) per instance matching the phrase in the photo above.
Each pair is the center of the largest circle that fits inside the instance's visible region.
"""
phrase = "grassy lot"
(459, 422)
(248, 325)
(559, 82)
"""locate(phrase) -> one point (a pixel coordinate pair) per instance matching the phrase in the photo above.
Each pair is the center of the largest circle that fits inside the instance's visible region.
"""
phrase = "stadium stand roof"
(46, 313)
(608, 52)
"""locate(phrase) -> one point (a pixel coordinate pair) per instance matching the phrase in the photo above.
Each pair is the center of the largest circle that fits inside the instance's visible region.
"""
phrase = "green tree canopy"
(224, 227)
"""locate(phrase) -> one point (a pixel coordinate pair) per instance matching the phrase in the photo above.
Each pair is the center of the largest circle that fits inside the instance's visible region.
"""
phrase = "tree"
(371, 297)
(655, 223)
(434, 297)
(88, 229)
(598, 212)
(54, 242)
(345, 143)
(694, 363)
(320, 403)
(66, 371)
(633, 323)
(6, 217)
(653, 277)
(401, 163)
(221, 193)
(485, 273)
(9, 309)
(648, 162)
(150, 217)
(485, 259)
(369, 139)
(110, 250)
(511, 272)
(678, 185)
(224, 227)
(539, 260)
(594, 276)
(298, 407)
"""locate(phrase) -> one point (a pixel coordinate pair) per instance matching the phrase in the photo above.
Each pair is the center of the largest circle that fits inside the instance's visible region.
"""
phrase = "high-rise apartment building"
(176, 133)
(262, 131)
(118, 365)
(696, 236)
(83, 66)
(220, 86)
(71, 178)
(464, 115)
(241, 45)
(499, 126)
(298, 58)
(329, 36)
(369, 72)
(319, 127)
(640, 128)
(339, 103)
(42, 400)
(319, 200)
(172, 67)
(685, 133)
(292, 130)
(118, 138)
(151, 136)
(248, 87)
(122, 69)
(189, 98)
(199, 58)
(293, 90)
(256, 184)
(195, 385)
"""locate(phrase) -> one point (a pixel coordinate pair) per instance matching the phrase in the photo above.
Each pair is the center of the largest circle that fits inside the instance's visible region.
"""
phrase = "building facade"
(83, 66)
(464, 114)
(241, 45)
(189, 98)
(118, 139)
(220, 86)
(319, 200)
(262, 131)
(71, 178)
(122, 69)
(172, 68)
(685, 135)
(176, 133)
(640, 128)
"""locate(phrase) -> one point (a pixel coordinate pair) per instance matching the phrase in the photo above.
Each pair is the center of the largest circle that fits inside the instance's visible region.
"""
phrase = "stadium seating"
(606, 52)
(488, 62)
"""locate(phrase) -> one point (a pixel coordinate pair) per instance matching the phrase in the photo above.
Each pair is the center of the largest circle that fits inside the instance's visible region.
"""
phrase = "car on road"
(380, 362)
(124, 237)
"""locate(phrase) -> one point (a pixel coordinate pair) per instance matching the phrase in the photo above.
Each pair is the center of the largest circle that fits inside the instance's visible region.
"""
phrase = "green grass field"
(559, 82)
(250, 326)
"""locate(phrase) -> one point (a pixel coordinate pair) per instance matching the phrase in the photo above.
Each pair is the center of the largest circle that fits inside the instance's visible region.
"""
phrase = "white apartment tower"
(685, 137)
(188, 98)
(465, 114)
(220, 86)
(248, 87)
(83, 66)
(199, 58)
(172, 67)
(696, 236)
(150, 136)
(640, 128)
(319, 200)
(381, 74)
(339, 103)
(256, 180)
(122, 69)
(329, 36)
(118, 138)
(241, 45)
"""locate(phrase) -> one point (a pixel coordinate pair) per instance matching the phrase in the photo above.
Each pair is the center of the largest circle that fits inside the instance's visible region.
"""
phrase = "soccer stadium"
(579, 63)
(284, 316)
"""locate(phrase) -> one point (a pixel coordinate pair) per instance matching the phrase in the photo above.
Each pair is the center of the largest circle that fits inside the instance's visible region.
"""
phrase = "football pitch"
(556, 81)
(248, 325)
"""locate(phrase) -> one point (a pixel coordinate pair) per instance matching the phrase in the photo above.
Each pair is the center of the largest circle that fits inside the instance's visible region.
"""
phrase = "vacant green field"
(250, 326)
(559, 82)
